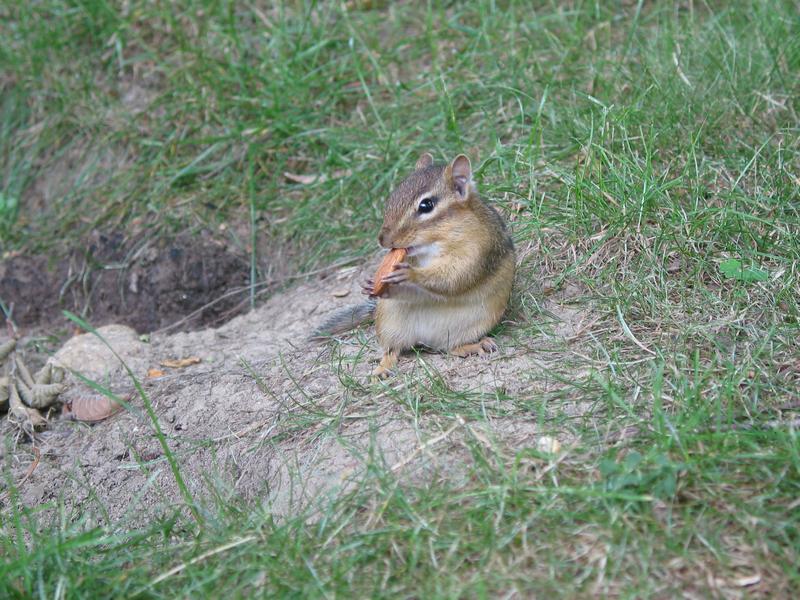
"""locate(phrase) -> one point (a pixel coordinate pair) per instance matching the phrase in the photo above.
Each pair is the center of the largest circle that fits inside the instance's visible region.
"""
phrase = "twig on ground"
(773, 424)
(247, 430)
(202, 557)
(8, 312)
(424, 446)
(629, 333)
(37, 455)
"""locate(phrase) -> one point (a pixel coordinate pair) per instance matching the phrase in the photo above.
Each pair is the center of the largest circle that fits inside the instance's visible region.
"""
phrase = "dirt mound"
(266, 414)
(142, 283)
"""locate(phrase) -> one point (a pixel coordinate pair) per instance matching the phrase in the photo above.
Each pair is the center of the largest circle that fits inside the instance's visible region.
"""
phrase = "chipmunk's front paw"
(368, 287)
(401, 273)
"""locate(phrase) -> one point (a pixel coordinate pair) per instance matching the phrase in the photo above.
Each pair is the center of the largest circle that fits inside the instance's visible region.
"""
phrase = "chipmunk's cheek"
(424, 253)
(415, 242)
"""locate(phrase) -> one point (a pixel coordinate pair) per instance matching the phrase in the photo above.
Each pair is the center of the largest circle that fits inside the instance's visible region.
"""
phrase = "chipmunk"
(455, 283)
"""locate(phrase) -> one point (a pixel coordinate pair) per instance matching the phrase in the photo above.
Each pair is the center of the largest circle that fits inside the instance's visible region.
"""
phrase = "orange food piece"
(394, 256)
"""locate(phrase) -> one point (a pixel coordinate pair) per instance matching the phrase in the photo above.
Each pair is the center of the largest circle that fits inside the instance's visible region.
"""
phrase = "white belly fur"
(441, 325)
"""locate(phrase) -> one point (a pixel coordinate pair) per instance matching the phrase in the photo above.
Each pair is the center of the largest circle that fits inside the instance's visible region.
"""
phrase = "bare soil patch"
(140, 282)
(269, 416)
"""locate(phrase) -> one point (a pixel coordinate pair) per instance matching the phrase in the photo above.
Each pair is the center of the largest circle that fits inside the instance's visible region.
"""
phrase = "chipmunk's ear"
(459, 174)
(424, 161)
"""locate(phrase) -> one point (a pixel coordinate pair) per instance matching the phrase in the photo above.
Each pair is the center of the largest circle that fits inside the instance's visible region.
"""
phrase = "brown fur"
(458, 287)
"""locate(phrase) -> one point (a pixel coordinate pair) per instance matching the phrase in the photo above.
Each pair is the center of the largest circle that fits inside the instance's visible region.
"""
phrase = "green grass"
(635, 148)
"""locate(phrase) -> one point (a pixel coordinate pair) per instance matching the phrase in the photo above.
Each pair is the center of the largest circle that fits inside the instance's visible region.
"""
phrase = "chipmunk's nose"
(383, 238)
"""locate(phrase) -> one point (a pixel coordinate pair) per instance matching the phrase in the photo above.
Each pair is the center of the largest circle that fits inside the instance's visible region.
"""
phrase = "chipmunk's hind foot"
(386, 366)
(486, 346)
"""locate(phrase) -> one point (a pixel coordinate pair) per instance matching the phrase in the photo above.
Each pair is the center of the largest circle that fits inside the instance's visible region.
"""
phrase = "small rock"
(548, 445)
(89, 356)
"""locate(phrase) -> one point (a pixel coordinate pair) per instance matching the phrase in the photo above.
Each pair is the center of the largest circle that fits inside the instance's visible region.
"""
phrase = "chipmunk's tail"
(345, 319)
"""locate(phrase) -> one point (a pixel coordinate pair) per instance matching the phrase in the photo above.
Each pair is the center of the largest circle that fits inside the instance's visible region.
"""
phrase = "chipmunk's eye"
(426, 204)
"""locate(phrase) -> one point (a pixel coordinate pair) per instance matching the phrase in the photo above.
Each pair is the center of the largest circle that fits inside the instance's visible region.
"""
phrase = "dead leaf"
(318, 178)
(747, 581)
(305, 179)
(153, 373)
(150, 455)
(340, 293)
(180, 363)
(591, 40)
(91, 409)
(359, 5)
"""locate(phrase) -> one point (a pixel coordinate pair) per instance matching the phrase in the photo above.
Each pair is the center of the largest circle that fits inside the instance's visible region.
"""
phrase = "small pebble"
(548, 445)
